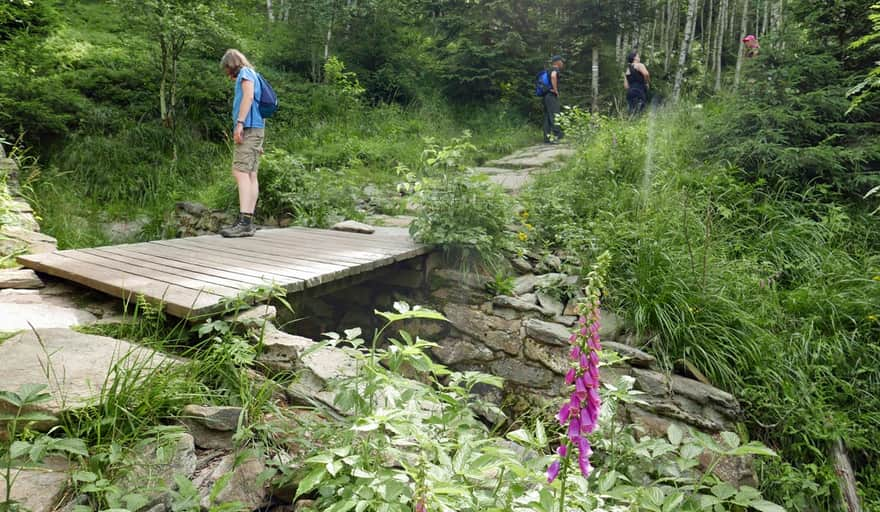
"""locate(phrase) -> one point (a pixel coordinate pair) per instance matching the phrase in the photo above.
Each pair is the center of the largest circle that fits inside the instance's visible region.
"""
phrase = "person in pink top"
(752, 46)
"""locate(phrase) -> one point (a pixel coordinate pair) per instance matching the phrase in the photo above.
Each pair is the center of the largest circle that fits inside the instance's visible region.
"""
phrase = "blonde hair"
(233, 60)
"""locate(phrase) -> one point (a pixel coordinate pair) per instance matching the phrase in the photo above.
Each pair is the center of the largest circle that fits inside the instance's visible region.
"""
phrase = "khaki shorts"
(247, 154)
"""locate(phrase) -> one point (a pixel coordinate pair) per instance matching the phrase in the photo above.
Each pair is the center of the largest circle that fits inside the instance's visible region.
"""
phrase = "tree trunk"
(667, 47)
(708, 49)
(742, 33)
(766, 22)
(689, 23)
(269, 10)
(595, 79)
(163, 82)
(618, 47)
(845, 477)
(719, 43)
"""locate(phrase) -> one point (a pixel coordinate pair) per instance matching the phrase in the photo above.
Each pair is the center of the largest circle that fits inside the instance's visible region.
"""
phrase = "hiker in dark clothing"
(552, 131)
(636, 80)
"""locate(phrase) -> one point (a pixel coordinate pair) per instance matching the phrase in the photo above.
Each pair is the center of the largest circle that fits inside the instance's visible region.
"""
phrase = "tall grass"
(771, 293)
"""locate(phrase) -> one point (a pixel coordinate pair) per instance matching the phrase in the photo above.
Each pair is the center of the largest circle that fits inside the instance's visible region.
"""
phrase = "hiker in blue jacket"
(552, 131)
(248, 134)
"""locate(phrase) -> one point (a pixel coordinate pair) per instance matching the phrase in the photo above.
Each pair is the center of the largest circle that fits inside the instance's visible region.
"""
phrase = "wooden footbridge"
(196, 276)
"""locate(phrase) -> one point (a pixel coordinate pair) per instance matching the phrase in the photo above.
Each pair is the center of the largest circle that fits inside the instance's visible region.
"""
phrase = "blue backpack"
(542, 83)
(268, 103)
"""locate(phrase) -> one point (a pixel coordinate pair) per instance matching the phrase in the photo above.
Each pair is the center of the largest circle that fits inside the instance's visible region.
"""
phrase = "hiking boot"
(243, 227)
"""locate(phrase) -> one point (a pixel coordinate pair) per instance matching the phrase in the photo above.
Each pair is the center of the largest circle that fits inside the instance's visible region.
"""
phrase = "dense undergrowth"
(770, 288)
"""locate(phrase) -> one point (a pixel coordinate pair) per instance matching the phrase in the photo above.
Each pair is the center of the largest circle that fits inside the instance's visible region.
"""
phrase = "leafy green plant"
(21, 448)
(501, 284)
(459, 210)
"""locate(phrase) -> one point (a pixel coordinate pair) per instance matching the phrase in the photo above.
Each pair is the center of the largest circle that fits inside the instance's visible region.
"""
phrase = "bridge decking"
(193, 276)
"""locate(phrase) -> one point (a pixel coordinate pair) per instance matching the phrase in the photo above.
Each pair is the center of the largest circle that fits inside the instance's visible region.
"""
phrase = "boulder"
(524, 374)
(253, 317)
(212, 427)
(444, 277)
(41, 315)
(547, 332)
(453, 350)
(495, 332)
(550, 263)
(553, 357)
(352, 226)
(525, 284)
(21, 279)
(156, 465)
(38, 489)
(521, 265)
(703, 393)
(77, 365)
(242, 487)
(14, 240)
(634, 356)
(516, 303)
(550, 304)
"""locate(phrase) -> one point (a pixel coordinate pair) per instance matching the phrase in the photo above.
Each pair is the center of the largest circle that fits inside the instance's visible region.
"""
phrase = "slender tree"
(719, 42)
(686, 40)
(743, 27)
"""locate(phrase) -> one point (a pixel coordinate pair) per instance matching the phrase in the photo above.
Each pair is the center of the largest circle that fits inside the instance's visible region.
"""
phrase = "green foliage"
(314, 197)
(413, 443)
(21, 448)
(867, 89)
(458, 209)
(768, 292)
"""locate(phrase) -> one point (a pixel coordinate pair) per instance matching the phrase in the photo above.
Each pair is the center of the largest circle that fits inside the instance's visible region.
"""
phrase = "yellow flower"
(529, 226)
(876, 278)
(872, 318)
(524, 214)
(522, 236)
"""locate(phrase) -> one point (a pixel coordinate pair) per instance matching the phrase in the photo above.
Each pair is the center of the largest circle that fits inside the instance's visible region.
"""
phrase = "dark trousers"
(551, 110)
(636, 99)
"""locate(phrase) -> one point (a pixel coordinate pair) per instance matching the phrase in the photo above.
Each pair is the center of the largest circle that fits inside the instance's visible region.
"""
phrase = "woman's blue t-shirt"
(254, 119)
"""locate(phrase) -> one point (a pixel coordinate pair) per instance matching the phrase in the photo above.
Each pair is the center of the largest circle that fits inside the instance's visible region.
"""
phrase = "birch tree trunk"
(709, 38)
(765, 18)
(719, 43)
(742, 33)
(618, 47)
(845, 477)
(689, 23)
(269, 10)
(595, 79)
(667, 29)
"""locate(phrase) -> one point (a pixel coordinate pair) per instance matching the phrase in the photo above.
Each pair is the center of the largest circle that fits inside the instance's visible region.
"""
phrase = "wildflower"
(876, 278)
(552, 472)
(872, 318)
(421, 506)
(581, 412)
(522, 236)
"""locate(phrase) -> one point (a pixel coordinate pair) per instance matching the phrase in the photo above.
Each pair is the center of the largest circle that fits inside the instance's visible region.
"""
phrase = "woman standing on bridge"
(248, 134)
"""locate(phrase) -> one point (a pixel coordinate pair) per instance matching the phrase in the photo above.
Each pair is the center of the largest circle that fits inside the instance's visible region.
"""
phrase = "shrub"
(459, 210)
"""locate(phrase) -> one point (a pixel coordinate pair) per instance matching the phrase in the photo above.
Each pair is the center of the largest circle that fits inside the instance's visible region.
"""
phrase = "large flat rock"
(536, 156)
(73, 365)
(21, 309)
(38, 489)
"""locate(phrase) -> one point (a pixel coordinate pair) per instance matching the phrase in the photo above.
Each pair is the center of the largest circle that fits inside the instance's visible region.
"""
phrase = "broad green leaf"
(675, 434)
(656, 495)
(723, 490)
(540, 434)
(521, 436)
(707, 501)
(730, 439)
(414, 313)
(83, 476)
(310, 481)
(321, 458)
(72, 446)
(753, 448)
(766, 506)
(10, 398)
(673, 501)
(19, 449)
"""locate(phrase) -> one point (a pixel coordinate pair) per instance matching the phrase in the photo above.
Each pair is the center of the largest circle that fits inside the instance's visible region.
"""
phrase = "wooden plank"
(376, 240)
(178, 301)
(266, 251)
(169, 269)
(315, 276)
(173, 258)
(321, 240)
(301, 249)
(326, 250)
(163, 277)
(400, 251)
(242, 263)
